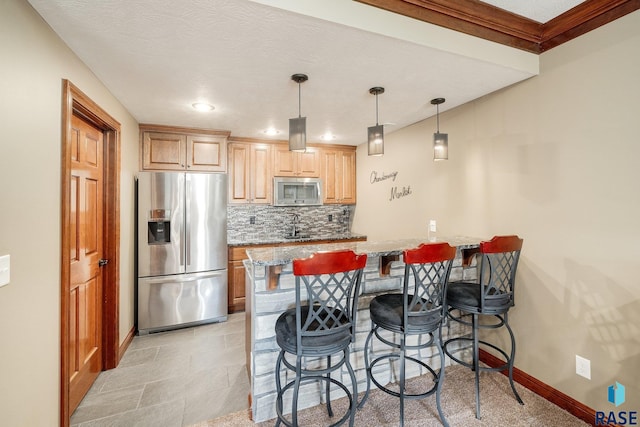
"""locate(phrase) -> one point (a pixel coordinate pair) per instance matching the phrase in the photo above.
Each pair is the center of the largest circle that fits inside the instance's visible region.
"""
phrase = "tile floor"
(172, 379)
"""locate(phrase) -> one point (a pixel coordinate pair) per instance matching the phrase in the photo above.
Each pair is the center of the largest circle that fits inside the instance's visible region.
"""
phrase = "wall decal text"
(396, 194)
(379, 177)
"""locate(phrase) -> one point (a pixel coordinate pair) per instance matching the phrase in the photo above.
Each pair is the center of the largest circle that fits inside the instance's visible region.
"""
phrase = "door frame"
(75, 102)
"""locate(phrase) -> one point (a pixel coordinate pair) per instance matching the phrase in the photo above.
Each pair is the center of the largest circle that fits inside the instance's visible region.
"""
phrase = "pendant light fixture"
(375, 134)
(298, 126)
(440, 140)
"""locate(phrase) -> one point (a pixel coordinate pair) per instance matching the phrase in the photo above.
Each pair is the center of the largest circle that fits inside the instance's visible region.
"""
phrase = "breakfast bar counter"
(270, 290)
(284, 255)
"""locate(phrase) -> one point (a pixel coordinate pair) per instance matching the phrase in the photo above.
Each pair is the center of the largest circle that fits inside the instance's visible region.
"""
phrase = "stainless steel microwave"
(297, 191)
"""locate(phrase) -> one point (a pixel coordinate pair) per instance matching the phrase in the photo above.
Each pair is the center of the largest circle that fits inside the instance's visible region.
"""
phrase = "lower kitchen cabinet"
(236, 286)
(236, 275)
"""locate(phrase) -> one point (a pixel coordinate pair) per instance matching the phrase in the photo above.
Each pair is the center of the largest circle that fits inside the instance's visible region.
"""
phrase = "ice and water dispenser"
(159, 227)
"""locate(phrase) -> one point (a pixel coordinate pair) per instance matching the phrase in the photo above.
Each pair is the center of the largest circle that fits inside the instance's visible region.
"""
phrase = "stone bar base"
(265, 304)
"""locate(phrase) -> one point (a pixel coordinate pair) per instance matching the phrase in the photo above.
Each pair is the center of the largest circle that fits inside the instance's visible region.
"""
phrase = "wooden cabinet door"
(250, 173)
(236, 286)
(239, 169)
(260, 174)
(236, 279)
(163, 151)
(284, 161)
(347, 177)
(206, 153)
(296, 164)
(308, 163)
(339, 176)
(169, 148)
(329, 176)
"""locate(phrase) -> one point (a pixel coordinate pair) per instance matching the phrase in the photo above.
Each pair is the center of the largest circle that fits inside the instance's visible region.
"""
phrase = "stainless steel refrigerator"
(182, 250)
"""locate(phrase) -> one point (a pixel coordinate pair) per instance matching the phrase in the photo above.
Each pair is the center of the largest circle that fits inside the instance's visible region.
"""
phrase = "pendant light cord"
(299, 101)
(376, 109)
(437, 118)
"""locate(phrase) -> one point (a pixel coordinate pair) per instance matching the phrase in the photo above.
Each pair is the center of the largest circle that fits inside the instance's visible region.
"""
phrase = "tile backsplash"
(250, 220)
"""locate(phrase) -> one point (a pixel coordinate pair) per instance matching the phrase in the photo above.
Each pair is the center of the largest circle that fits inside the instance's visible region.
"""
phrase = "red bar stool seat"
(491, 295)
(321, 325)
(416, 314)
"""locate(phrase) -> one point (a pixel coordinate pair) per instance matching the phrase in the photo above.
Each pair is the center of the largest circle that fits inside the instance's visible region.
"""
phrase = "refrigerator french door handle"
(183, 279)
(187, 220)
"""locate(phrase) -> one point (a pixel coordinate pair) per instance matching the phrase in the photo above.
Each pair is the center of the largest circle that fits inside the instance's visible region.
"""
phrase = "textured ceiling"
(538, 10)
(160, 56)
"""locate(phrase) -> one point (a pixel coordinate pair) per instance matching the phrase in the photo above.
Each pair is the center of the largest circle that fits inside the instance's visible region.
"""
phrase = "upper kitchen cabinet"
(250, 175)
(297, 164)
(339, 174)
(175, 148)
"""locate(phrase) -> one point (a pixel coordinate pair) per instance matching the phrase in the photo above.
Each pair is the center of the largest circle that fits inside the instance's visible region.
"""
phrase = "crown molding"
(491, 23)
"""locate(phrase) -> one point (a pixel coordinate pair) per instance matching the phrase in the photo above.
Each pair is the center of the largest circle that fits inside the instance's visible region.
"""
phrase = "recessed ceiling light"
(202, 106)
(271, 131)
(328, 137)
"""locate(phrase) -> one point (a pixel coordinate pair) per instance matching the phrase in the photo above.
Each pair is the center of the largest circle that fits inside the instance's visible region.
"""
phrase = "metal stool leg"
(440, 382)
(328, 388)
(402, 380)
(278, 389)
(354, 397)
(296, 391)
(476, 361)
(511, 359)
(367, 366)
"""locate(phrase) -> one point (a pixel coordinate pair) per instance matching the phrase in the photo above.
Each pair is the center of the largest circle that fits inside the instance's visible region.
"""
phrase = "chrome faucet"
(294, 224)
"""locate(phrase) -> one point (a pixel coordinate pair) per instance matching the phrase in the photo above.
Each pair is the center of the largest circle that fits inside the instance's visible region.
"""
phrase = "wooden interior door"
(86, 246)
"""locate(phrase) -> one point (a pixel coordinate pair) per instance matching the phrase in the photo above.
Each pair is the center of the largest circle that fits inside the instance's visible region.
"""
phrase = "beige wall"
(34, 62)
(553, 159)
(550, 159)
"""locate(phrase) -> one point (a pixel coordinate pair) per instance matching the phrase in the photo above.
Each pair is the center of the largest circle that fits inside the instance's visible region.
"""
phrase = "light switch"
(5, 270)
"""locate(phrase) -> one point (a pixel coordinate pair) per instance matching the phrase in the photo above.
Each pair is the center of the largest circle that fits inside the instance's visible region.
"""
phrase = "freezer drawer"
(175, 301)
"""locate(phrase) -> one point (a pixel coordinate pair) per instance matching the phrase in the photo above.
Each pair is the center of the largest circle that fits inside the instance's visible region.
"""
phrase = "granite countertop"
(266, 239)
(284, 254)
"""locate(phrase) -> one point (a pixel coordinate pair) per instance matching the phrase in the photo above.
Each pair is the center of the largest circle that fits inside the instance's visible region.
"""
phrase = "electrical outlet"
(583, 367)
(252, 219)
(431, 231)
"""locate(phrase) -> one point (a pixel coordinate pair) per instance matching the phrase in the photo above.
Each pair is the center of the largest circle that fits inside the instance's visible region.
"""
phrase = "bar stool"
(321, 325)
(492, 295)
(414, 314)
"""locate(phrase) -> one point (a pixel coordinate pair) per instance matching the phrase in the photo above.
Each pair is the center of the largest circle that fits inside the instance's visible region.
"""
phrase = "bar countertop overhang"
(285, 254)
(260, 239)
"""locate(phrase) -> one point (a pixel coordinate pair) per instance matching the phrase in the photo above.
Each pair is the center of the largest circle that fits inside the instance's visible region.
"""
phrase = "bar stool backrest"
(500, 257)
(427, 270)
(332, 283)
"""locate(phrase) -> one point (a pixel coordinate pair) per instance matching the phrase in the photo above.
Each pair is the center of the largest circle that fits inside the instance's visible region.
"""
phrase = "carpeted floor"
(499, 407)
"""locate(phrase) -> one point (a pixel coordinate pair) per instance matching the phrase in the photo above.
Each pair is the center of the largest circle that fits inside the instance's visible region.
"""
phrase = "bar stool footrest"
(387, 390)
(470, 364)
(279, 404)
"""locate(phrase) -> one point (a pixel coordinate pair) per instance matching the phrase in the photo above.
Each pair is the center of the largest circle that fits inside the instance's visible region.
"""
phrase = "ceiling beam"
(491, 23)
